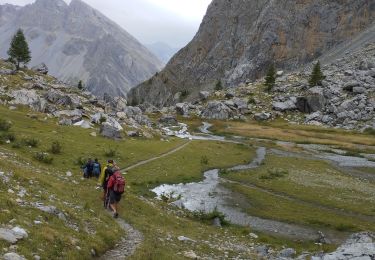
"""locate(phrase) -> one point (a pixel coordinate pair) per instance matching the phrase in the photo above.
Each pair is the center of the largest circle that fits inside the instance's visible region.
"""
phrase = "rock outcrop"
(77, 42)
(238, 40)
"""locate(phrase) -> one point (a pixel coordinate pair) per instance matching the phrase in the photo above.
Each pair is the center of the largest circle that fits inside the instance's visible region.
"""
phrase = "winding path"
(128, 244)
(133, 238)
(156, 158)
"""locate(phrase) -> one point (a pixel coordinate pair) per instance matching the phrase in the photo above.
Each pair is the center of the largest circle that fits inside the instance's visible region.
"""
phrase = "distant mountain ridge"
(162, 50)
(238, 40)
(77, 43)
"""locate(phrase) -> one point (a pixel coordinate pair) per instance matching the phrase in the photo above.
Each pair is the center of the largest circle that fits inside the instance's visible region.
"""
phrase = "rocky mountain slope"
(77, 43)
(346, 98)
(238, 40)
(162, 50)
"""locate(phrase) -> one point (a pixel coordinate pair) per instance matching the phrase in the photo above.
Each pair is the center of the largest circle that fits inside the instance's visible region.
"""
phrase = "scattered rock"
(190, 254)
(185, 239)
(168, 120)
(41, 68)
(287, 253)
(8, 236)
(13, 256)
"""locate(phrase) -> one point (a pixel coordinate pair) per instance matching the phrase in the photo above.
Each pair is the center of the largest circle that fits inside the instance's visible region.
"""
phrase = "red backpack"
(119, 183)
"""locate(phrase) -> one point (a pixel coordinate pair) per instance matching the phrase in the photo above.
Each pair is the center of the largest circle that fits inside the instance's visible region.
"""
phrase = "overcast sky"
(174, 22)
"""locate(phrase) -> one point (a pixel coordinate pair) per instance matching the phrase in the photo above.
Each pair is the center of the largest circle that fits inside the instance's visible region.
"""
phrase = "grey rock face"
(358, 246)
(309, 104)
(168, 120)
(77, 42)
(262, 116)
(41, 68)
(111, 130)
(237, 41)
(217, 110)
(13, 256)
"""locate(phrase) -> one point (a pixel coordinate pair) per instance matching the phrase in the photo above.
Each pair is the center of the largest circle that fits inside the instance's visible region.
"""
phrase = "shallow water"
(209, 195)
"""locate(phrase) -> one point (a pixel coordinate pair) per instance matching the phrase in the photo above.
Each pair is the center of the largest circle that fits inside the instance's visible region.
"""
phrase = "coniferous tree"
(270, 78)
(316, 76)
(19, 49)
(80, 85)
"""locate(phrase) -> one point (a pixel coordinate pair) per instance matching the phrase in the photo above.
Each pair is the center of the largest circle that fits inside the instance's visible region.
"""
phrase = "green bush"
(17, 145)
(110, 153)
(369, 131)
(204, 160)
(32, 142)
(80, 161)
(210, 216)
(43, 157)
(56, 147)
(274, 174)
(8, 136)
(5, 125)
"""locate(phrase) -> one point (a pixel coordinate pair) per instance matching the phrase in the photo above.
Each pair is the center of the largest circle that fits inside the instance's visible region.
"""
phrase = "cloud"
(170, 21)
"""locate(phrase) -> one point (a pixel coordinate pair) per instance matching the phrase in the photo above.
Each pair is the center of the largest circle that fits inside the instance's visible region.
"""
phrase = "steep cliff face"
(239, 39)
(77, 43)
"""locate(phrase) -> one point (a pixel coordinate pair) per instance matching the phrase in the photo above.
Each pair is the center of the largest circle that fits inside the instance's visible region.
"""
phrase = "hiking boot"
(115, 215)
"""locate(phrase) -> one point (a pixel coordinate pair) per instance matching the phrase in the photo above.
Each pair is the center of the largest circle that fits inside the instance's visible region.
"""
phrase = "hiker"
(88, 168)
(106, 173)
(116, 187)
(97, 168)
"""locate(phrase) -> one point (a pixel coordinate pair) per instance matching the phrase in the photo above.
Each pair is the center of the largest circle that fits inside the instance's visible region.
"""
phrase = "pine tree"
(316, 76)
(19, 49)
(270, 78)
(80, 85)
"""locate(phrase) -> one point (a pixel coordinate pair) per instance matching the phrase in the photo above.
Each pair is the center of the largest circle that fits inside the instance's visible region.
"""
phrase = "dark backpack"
(108, 173)
(119, 183)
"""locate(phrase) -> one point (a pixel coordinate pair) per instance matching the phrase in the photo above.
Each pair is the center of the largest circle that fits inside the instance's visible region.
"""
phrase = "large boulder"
(168, 120)
(358, 246)
(182, 109)
(41, 68)
(28, 98)
(203, 95)
(111, 129)
(310, 103)
(217, 110)
(132, 111)
(284, 106)
(262, 116)
(61, 99)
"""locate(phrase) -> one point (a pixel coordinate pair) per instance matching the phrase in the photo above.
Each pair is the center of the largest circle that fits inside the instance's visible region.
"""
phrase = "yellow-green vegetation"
(188, 164)
(282, 131)
(78, 200)
(308, 192)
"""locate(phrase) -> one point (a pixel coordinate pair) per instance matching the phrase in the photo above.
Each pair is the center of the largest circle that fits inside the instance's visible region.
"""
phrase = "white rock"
(69, 174)
(20, 233)
(190, 254)
(13, 256)
(185, 239)
(8, 235)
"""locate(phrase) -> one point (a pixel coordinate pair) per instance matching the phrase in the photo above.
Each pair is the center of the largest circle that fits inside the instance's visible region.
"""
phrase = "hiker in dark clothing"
(89, 167)
(97, 168)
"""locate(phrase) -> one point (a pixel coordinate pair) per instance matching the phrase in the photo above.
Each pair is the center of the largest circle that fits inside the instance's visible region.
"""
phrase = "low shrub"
(32, 142)
(56, 147)
(80, 161)
(369, 131)
(43, 157)
(274, 174)
(17, 145)
(8, 137)
(210, 216)
(110, 153)
(204, 160)
(5, 125)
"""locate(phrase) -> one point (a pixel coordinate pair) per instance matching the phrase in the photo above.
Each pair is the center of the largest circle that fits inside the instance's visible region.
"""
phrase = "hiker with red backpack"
(115, 188)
